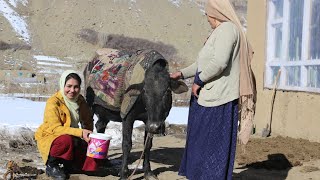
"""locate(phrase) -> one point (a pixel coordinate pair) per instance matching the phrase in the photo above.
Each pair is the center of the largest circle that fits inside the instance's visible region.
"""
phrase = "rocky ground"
(262, 158)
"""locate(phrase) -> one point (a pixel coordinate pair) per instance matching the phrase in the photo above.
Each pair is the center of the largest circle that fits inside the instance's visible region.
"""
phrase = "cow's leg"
(103, 119)
(127, 126)
(101, 125)
(148, 174)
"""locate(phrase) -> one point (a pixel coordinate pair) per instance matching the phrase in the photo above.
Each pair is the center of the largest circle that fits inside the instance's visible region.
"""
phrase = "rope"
(149, 135)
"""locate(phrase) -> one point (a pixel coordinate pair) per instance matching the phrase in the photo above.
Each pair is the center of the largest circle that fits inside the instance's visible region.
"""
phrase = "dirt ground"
(262, 158)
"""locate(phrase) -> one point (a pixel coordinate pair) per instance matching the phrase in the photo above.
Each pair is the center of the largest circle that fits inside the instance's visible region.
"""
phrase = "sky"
(17, 114)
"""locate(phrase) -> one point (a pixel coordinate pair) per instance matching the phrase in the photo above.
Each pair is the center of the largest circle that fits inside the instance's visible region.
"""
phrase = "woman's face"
(72, 88)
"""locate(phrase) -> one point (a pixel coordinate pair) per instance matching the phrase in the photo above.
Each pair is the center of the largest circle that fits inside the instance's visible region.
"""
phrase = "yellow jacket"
(57, 120)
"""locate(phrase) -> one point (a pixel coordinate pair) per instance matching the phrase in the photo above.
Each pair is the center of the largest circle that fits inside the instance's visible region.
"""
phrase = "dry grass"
(133, 44)
(15, 46)
(129, 44)
(89, 35)
(4, 45)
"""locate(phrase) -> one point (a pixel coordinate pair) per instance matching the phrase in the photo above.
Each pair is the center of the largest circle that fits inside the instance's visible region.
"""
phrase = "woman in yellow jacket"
(59, 138)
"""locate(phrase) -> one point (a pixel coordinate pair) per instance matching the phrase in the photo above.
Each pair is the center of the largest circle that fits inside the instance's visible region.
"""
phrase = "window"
(315, 30)
(293, 44)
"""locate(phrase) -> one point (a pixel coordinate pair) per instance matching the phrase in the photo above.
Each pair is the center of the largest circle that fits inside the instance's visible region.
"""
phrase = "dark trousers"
(72, 151)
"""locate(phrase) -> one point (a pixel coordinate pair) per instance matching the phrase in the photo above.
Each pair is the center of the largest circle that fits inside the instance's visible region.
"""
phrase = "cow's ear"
(178, 87)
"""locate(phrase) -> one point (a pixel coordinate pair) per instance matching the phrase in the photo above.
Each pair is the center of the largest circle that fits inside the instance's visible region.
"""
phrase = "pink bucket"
(98, 146)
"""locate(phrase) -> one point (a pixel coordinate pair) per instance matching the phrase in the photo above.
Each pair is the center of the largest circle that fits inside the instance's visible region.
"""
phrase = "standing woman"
(223, 84)
(59, 138)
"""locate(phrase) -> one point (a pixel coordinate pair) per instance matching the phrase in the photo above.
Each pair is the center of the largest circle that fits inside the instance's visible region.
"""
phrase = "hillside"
(32, 28)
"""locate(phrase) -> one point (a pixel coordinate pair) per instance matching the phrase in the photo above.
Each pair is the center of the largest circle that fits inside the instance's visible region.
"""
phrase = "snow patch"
(54, 64)
(17, 22)
(47, 58)
(175, 2)
(15, 2)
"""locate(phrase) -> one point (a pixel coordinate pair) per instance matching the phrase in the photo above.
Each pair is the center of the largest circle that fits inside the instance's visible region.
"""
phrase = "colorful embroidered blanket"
(113, 74)
(107, 76)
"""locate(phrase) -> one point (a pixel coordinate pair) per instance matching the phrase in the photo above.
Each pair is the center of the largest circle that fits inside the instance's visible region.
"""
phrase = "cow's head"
(157, 94)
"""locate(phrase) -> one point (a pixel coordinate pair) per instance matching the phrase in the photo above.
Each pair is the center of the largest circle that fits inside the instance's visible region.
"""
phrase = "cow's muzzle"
(155, 128)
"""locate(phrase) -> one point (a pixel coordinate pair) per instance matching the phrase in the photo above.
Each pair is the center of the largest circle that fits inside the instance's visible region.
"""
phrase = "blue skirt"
(211, 142)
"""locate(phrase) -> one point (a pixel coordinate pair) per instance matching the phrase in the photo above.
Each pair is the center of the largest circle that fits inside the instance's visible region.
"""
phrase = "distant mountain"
(33, 28)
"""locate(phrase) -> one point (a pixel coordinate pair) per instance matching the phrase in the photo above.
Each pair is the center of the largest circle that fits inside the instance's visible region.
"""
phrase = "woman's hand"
(176, 75)
(85, 135)
(195, 89)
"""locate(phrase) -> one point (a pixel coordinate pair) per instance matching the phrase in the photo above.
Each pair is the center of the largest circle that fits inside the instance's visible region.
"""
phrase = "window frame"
(282, 62)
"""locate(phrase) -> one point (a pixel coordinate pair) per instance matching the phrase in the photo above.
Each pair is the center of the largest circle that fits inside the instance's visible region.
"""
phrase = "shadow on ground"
(276, 167)
(168, 157)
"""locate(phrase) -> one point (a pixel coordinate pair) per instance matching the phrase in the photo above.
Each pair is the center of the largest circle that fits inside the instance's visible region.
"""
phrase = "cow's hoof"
(124, 174)
(150, 176)
(123, 178)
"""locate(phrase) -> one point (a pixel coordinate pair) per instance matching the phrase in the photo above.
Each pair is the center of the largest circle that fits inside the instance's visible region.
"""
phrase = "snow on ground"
(18, 115)
(175, 2)
(50, 61)
(17, 22)
(15, 2)
(16, 112)
(47, 58)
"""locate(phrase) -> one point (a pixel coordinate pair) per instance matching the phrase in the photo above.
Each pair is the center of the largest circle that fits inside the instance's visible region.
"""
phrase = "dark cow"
(152, 105)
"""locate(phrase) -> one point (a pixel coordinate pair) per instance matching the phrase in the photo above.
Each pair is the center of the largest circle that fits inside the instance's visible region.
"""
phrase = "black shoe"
(55, 172)
(70, 168)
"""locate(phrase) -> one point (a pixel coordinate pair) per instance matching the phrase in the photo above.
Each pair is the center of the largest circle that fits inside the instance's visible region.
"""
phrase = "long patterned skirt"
(211, 142)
